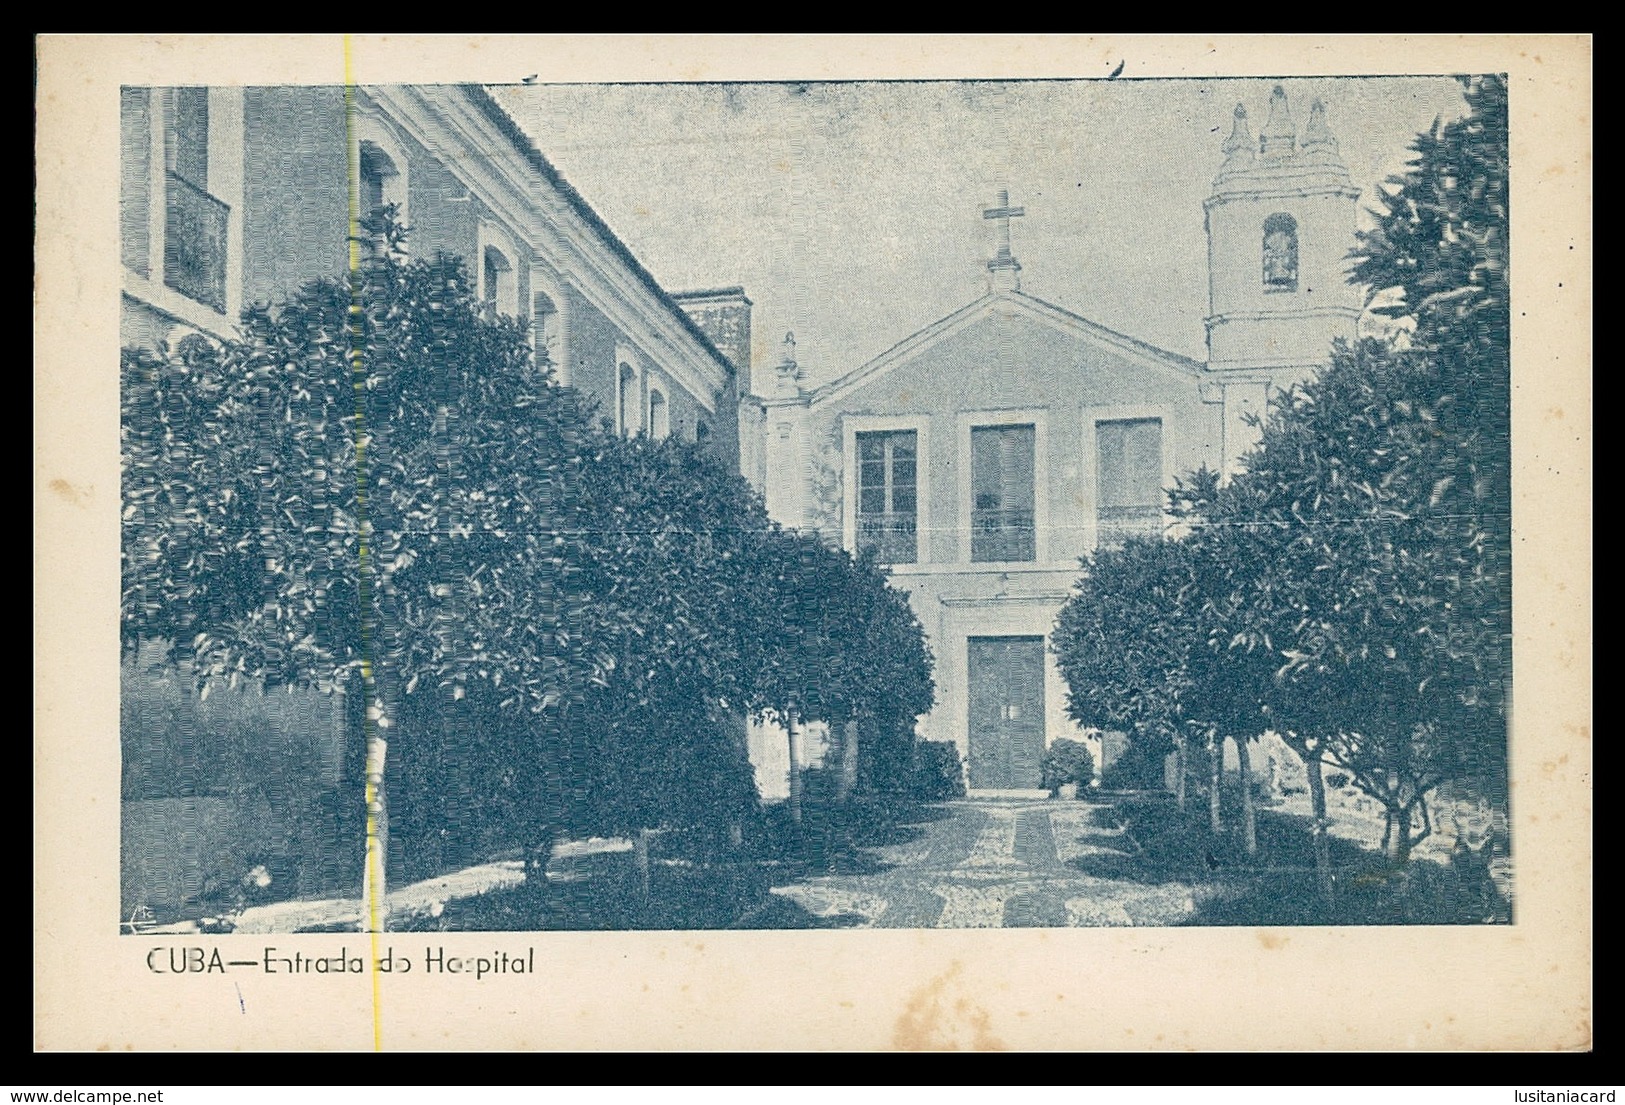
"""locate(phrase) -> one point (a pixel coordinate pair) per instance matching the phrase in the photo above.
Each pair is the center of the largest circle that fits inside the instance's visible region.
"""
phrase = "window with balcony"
(186, 146)
(1129, 471)
(195, 221)
(1002, 493)
(888, 495)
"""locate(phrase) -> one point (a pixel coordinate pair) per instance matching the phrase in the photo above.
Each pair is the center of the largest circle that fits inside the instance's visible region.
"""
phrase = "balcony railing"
(195, 242)
(1002, 535)
(1119, 523)
(893, 537)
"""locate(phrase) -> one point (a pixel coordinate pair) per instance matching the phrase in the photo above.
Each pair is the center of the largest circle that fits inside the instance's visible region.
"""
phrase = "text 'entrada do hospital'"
(180, 960)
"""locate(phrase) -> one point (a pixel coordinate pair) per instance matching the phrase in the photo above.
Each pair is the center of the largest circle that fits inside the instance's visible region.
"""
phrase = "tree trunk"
(385, 714)
(1215, 760)
(550, 825)
(1317, 802)
(640, 859)
(1399, 836)
(848, 781)
(1182, 767)
(1249, 816)
(374, 891)
(795, 768)
(537, 858)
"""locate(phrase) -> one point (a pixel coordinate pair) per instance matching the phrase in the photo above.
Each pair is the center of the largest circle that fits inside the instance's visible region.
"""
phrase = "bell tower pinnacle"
(1277, 140)
(1280, 223)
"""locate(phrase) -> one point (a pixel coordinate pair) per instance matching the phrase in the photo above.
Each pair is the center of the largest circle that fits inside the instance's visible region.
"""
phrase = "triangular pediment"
(1008, 304)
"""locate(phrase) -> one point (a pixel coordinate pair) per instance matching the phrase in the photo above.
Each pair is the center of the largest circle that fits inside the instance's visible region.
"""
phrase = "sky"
(851, 212)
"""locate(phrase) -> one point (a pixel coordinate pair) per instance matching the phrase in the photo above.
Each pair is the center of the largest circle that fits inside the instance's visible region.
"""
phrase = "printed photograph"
(834, 504)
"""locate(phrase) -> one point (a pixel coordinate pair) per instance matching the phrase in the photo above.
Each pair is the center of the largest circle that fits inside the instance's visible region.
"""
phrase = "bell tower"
(1280, 223)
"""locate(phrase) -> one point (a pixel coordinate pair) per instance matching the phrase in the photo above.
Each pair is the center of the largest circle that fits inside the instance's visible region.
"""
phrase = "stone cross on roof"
(1004, 267)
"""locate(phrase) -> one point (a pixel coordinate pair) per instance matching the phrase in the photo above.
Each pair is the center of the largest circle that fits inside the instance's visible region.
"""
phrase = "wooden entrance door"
(1006, 712)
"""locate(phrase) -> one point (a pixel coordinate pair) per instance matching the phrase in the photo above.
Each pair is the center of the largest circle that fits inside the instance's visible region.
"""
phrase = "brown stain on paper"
(932, 1022)
(77, 496)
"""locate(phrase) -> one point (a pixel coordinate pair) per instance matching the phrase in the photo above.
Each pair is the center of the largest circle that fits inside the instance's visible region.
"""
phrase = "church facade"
(982, 456)
(979, 458)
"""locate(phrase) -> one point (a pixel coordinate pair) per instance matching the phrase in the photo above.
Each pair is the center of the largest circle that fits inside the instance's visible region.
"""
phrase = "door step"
(1008, 793)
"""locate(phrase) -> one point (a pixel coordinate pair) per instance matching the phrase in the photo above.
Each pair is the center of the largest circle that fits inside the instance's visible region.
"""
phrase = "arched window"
(378, 177)
(497, 257)
(547, 334)
(627, 405)
(380, 173)
(550, 321)
(1280, 253)
(659, 417)
(497, 290)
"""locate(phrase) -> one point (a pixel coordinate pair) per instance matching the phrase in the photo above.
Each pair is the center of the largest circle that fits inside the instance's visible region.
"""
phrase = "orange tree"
(376, 487)
(372, 487)
(837, 643)
(1364, 552)
(1123, 642)
(889, 671)
(1439, 255)
(1385, 487)
(669, 590)
(1138, 645)
(1373, 585)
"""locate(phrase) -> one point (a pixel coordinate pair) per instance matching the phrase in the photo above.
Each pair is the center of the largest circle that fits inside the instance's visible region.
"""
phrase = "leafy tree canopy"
(376, 478)
(1125, 638)
(371, 472)
(1351, 586)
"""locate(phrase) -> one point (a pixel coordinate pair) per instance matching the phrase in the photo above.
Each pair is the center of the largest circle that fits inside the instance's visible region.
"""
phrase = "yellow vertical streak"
(374, 857)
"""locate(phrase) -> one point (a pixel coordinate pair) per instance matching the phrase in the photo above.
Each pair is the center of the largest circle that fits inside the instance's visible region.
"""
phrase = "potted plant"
(1066, 768)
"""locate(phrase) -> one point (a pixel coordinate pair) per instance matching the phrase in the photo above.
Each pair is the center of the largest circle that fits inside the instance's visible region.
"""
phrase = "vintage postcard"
(813, 543)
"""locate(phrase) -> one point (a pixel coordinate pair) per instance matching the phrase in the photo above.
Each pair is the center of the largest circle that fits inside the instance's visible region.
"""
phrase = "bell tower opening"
(1280, 253)
(1280, 223)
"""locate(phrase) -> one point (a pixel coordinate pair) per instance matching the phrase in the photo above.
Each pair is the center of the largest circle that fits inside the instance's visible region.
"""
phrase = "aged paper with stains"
(1523, 986)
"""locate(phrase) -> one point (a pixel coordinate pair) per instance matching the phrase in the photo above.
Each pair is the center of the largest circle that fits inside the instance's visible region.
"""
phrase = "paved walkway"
(997, 863)
(991, 863)
(419, 897)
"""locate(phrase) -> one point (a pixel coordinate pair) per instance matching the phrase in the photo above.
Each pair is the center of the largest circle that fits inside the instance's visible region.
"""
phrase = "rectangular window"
(1129, 467)
(1002, 527)
(194, 220)
(888, 502)
(187, 137)
(135, 178)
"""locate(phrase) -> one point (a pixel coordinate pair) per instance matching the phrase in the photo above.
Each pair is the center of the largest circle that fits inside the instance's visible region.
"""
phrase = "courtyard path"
(1000, 863)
